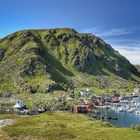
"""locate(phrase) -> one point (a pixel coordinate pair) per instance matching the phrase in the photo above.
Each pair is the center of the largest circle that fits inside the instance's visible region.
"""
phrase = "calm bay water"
(124, 119)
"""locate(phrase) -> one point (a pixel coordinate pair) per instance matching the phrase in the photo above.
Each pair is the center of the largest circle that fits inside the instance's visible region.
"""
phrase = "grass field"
(63, 126)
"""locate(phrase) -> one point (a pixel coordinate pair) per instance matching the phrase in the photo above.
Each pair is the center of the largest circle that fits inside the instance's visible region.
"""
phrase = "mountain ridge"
(32, 59)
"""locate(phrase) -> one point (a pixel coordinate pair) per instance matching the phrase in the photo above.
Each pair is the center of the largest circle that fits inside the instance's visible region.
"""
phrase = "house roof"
(19, 105)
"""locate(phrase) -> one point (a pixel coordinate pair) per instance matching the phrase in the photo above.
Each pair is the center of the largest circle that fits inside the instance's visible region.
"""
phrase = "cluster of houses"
(86, 105)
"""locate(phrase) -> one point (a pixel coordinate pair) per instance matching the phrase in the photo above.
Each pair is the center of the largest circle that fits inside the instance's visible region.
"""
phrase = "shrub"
(136, 127)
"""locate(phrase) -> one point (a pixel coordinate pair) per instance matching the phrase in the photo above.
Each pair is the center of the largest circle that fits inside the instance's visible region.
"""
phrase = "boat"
(112, 118)
(131, 110)
(94, 116)
(121, 109)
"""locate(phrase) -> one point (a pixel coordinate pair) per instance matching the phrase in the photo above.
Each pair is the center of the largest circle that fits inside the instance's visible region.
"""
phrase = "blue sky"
(115, 21)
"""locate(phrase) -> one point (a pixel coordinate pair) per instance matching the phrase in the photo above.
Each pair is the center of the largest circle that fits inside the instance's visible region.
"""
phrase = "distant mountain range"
(31, 60)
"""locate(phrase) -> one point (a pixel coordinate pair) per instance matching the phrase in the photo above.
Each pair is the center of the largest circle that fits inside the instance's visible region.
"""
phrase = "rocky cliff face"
(30, 60)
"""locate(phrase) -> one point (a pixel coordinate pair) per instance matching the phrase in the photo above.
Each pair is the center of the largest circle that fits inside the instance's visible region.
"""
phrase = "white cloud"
(131, 52)
(97, 30)
(115, 32)
(94, 30)
(107, 33)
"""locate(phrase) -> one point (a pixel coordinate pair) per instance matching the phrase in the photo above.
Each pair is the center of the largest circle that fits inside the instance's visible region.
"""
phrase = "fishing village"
(102, 107)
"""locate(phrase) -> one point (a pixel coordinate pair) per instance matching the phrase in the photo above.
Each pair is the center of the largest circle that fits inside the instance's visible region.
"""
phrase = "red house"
(98, 101)
(82, 108)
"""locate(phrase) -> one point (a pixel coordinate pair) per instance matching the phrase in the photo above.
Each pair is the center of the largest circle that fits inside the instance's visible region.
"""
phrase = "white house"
(19, 105)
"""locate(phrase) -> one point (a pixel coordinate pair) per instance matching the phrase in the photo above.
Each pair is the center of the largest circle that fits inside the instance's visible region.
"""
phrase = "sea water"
(124, 119)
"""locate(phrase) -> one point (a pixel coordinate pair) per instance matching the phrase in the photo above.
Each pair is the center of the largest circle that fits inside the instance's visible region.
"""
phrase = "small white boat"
(121, 109)
(131, 110)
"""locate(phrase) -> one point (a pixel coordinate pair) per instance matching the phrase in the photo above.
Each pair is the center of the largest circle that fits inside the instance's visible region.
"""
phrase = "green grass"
(65, 126)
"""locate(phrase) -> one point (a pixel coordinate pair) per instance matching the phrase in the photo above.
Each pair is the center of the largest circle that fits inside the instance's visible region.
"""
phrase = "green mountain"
(30, 60)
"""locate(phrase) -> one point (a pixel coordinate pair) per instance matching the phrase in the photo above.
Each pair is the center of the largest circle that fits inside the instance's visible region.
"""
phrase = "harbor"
(124, 119)
(125, 113)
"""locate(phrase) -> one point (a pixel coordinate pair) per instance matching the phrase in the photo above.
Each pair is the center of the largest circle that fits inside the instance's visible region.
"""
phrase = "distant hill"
(31, 60)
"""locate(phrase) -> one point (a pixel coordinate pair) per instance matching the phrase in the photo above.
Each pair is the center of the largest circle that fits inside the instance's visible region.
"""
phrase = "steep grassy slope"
(30, 60)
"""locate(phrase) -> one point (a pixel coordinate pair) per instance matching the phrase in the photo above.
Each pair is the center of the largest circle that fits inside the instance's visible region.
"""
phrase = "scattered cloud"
(130, 50)
(107, 33)
(94, 30)
(111, 32)
(115, 32)
(132, 55)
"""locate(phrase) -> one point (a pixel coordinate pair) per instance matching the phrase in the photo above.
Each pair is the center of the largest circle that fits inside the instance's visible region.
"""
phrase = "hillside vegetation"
(31, 60)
